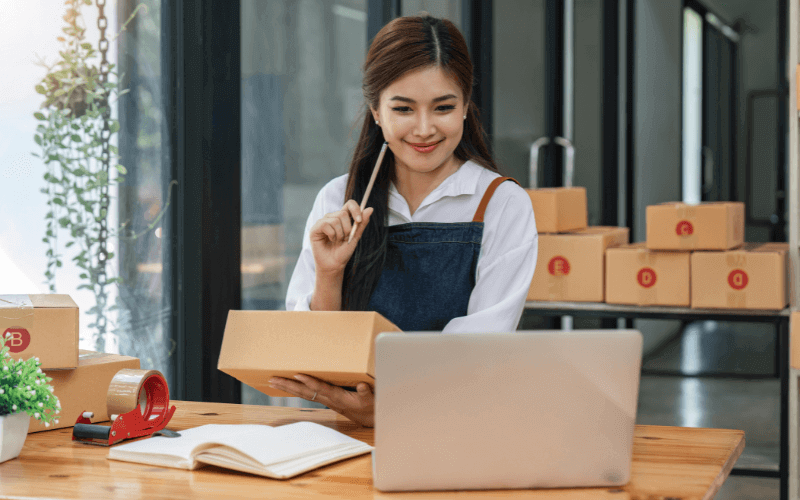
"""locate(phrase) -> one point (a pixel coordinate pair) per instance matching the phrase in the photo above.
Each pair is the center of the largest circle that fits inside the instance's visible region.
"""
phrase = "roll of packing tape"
(130, 388)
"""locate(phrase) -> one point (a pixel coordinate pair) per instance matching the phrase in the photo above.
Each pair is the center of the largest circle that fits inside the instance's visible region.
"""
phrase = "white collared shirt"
(508, 252)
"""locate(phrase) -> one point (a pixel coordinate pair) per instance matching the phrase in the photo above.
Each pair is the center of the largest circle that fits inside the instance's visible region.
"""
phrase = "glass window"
(692, 104)
(518, 83)
(301, 110)
(447, 9)
(67, 209)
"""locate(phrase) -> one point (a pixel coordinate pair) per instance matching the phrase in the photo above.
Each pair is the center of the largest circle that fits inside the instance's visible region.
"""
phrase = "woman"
(444, 244)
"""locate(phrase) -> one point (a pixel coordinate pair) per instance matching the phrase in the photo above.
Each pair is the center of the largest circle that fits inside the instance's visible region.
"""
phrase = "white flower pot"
(13, 431)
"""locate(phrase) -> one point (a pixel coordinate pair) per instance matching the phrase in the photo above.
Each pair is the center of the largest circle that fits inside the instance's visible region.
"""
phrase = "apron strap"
(488, 196)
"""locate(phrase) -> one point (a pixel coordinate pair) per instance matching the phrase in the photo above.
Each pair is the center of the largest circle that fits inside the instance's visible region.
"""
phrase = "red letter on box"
(17, 339)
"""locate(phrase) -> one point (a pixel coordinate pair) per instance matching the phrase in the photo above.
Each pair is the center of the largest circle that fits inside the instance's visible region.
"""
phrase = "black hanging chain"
(105, 135)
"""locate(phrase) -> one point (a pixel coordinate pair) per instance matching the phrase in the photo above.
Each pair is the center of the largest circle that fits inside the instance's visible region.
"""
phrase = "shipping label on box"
(706, 226)
(571, 266)
(335, 346)
(559, 209)
(43, 326)
(753, 277)
(638, 276)
(85, 388)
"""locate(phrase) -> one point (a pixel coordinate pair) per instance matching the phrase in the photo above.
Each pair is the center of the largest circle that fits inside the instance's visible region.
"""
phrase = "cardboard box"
(43, 326)
(571, 266)
(707, 226)
(335, 346)
(559, 209)
(638, 276)
(753, 277)
(84, 388)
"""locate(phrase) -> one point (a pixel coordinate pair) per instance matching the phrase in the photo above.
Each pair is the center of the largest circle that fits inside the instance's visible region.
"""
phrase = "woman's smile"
(425, 147)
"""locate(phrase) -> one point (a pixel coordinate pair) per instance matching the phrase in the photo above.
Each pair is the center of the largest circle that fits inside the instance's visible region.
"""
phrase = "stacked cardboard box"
(638, 276)
(695, 256)
(85, 388)
(46, 327)
(706, 226)
(571, 261)
(559, 209)
(43, 326)
(750, 277)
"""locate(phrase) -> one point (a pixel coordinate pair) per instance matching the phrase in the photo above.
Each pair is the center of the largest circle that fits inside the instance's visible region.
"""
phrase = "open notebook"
(276, 452)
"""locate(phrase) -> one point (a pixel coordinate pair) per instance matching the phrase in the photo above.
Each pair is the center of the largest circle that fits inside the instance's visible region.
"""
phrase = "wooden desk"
(668, 462)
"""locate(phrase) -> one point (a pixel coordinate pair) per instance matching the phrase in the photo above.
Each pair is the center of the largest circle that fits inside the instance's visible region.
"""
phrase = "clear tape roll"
(127, 391)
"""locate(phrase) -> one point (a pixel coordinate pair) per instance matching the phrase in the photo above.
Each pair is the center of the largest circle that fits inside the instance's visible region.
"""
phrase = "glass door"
(301, 100)
(547, 78)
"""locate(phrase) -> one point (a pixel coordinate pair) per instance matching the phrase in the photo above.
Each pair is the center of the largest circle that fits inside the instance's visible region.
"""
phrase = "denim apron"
(429, 272)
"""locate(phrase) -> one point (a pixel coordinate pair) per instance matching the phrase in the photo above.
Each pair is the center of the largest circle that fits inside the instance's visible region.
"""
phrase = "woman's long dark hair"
(405, 44)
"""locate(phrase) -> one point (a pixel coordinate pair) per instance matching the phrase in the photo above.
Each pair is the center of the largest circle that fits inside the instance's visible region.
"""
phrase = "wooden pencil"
(369, 188)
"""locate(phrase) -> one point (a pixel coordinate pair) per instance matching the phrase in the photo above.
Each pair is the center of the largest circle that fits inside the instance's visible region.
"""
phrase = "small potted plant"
(24, 392)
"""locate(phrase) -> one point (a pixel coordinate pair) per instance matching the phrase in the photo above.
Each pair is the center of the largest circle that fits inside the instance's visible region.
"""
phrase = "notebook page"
(293, 467)
(229, 458)
(177, 452)
(286, 442)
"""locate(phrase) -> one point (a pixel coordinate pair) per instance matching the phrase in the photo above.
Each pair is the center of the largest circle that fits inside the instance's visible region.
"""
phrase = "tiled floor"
(751, 404)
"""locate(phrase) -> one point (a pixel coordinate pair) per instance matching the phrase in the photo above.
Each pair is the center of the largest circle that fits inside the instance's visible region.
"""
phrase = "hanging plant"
(76, 134)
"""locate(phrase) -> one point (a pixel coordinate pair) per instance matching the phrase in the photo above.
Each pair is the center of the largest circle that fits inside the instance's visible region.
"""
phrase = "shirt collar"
(462, 181)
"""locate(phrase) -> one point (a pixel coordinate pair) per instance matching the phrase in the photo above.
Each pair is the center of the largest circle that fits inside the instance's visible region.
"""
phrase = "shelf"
(602, 310)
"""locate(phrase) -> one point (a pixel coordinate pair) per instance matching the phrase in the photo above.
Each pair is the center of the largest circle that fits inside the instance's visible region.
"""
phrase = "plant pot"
(13, 431)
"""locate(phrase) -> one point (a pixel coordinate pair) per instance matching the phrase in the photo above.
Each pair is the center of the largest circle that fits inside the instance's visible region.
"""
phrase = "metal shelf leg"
(793, 469)
(783, 346)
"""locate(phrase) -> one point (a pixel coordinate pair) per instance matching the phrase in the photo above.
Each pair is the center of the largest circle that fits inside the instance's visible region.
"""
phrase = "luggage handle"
(534, 159)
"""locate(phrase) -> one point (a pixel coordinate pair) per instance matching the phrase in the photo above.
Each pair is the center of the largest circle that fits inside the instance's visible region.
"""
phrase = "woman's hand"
(358, 406)
(329, 237)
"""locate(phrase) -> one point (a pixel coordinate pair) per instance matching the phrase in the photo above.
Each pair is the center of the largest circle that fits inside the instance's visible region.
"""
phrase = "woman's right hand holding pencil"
(333, 240)
(329, 237)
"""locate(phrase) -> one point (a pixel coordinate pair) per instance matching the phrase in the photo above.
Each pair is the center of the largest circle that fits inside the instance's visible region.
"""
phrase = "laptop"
(530, 409)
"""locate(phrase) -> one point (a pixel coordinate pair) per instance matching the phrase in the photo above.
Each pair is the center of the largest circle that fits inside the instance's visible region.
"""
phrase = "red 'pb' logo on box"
(684, 228)
(558, 266)
(646, 277)
(17, 339)
(738, 279)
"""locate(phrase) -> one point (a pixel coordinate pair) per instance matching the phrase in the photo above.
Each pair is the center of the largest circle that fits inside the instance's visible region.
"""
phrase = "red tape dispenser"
(138, 405)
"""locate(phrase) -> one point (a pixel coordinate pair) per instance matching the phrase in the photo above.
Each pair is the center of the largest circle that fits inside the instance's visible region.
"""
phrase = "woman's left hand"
(358, 406)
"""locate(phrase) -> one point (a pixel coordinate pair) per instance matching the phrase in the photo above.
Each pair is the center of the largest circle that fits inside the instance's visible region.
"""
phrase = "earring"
(376, 123)
(465, 117)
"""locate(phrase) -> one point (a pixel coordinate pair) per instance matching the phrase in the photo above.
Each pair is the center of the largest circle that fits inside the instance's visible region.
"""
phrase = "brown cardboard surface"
(571, 266)
(559, 209)
(752, 277)
(335, 346)
(706, 226)
(45, 326)
(85, 388)
(638, 276)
